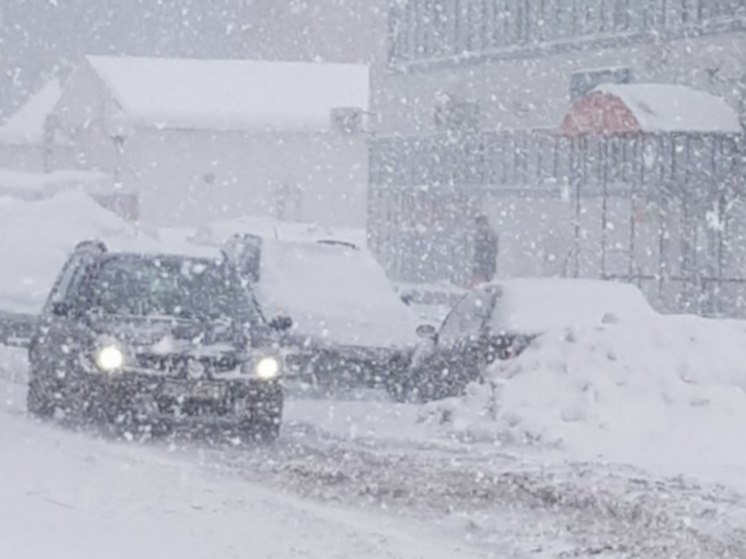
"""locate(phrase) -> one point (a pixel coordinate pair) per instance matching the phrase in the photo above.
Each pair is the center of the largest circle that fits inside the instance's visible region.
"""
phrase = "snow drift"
(37, 237)
(666, 391)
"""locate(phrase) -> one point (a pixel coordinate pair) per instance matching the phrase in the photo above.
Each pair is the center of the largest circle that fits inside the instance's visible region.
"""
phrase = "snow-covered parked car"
(150, 341)
(499, 320)
(350, 325)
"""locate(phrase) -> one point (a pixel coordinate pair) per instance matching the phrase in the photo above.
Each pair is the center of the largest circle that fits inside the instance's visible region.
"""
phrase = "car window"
(467, 318)
(61, 288)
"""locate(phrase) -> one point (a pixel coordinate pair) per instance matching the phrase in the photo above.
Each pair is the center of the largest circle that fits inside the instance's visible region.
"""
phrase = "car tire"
(38, 403)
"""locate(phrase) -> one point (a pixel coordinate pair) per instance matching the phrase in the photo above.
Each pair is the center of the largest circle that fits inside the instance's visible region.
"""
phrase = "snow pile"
(334, 294)
(665, 392)
(27, 125)
(36, 239)
(32, 186)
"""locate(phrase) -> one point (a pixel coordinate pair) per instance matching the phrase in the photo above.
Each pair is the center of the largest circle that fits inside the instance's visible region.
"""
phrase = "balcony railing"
(423, 30)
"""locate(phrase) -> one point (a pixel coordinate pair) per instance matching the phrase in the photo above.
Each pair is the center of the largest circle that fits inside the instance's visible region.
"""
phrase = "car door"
(460, 341)
(61, 329)
(501, 340)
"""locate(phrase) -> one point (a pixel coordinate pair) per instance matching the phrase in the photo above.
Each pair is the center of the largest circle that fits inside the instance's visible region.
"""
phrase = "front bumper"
(178, 401)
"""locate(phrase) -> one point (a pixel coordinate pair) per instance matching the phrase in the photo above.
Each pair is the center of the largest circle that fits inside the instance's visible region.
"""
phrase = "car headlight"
(267, 368)
(109, 358)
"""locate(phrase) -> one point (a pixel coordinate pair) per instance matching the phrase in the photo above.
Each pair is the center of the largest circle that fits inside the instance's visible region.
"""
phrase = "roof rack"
(91, 246)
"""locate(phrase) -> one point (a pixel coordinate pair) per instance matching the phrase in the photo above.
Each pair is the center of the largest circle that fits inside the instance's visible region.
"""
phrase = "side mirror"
(60, 308)
(281, 323)
(426, 331)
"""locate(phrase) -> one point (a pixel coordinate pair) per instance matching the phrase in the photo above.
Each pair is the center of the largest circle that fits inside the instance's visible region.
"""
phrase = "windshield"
(192, 289)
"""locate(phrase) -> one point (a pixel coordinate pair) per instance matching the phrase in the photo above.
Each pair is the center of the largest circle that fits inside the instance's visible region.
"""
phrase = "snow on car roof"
(535, 305)
(146, 244)
(674, 108)
(231, 94)
(26, 126)
(334, 293)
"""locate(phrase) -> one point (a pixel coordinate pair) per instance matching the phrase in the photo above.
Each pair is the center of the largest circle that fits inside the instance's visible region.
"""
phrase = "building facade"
(523, 63)
(471, 97)
(197, 140)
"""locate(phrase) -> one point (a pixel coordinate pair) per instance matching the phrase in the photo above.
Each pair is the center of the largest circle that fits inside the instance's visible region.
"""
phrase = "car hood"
(168, 336)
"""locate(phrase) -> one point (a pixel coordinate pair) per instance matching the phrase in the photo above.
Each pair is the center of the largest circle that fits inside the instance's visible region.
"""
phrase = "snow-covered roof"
(26, 127)
(674, 108)
(231, 94)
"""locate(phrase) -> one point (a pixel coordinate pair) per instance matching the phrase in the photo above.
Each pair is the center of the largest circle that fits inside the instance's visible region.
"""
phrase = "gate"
(664, 211)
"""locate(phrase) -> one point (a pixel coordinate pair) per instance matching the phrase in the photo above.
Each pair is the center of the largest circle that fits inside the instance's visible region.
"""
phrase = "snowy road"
(347, 479)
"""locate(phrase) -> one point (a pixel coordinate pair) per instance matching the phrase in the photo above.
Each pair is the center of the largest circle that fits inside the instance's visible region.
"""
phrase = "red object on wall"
(600, 113)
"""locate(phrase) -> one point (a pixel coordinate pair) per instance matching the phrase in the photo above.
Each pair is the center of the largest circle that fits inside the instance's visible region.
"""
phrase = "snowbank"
(667, 392)
(26, 127)
(36, 238)
(33, 186)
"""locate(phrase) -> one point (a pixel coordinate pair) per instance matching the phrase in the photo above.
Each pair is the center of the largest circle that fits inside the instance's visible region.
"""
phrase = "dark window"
(65, 280)
(583, 82)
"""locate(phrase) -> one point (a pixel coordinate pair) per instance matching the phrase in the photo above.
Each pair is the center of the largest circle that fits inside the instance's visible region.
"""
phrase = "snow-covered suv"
(149, 342)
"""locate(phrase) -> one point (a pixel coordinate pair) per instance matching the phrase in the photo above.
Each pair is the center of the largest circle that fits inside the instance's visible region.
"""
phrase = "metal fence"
(665, 211)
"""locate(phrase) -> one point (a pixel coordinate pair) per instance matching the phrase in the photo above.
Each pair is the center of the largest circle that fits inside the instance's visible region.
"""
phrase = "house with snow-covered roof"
(200, 140)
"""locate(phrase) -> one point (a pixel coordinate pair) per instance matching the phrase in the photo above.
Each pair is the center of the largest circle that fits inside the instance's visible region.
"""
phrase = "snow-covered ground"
(342, 481)
(74, 495)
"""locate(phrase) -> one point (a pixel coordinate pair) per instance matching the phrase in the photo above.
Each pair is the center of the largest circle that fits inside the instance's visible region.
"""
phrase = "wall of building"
(189, 177)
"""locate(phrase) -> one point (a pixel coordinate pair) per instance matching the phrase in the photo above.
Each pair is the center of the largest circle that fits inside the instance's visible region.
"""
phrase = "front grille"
(178, 365)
